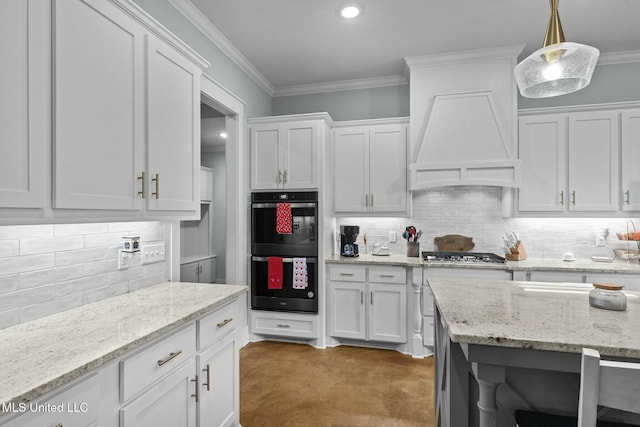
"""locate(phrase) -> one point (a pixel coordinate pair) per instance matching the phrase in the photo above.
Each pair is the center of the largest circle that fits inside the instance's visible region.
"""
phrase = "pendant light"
(557, 68)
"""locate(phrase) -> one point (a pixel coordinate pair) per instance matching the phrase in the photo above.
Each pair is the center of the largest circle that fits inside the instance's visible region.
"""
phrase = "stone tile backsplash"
(45, 269)
(476, 212)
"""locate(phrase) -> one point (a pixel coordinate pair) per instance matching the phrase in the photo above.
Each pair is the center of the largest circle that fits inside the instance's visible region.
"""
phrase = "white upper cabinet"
(126, 113)
(593, 161)
(542, 149)
(286, 151)
(630, 154)
(370, 168)
(98, 63)
(570, 162)
(25, 89)
(173, 128)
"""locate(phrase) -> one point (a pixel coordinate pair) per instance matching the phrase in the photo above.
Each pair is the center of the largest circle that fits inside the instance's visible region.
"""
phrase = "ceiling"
(297, 44)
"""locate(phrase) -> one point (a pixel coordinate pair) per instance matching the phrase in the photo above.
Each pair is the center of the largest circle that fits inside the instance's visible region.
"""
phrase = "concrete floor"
(284, 384)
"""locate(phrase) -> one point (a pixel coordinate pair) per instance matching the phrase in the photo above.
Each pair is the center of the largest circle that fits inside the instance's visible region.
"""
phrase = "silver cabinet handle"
(171, 356)
(346, 274)
(141, 178)
(626, 197)
(361, 297)
(366, 200)
(224, 322)
(371, 300)
(197, 395)
(279, 179)
(387, 275)
(573, 197)
(371, 199)
(283, 325)
(284, 177)
(208, 383)
(562, 197)
(157, 181)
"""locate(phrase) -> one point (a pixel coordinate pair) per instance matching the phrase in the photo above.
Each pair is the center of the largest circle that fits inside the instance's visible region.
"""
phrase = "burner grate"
(462, 257)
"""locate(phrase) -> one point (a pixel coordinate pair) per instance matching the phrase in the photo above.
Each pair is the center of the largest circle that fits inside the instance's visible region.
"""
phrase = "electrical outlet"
(151, 253)
(393, 237)
(124, 259)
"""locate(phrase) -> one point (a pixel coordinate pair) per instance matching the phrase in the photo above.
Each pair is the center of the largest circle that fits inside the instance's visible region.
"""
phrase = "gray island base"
(502, 346)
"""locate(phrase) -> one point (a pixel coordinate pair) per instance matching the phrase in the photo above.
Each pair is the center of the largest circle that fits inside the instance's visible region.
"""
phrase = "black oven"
(298, 246)
(288, 298)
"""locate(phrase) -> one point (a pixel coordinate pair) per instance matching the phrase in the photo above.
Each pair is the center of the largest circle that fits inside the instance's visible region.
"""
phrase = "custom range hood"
(464, 119)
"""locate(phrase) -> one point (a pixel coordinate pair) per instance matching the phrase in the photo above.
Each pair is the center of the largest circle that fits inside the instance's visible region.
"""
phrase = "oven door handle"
(287, 260)
(273, 205)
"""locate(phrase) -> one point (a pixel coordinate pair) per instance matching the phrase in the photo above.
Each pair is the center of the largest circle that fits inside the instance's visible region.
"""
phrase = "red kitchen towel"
(274, 272)
(284, 218)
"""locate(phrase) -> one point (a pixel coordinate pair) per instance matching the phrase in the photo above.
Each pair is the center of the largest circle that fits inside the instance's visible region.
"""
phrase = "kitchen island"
(504, 345)
(44, 355)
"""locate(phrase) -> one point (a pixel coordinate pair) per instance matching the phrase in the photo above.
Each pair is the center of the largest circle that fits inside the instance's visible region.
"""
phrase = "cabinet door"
(593, 161)
(219, 379)
(351, 169)
(169, 402)
(388, 168)
(207, 270)
(387, 313)
(98, 115)
(190, 272)
(347, 310)
(299, 151)
(173, 128)
(265, 171)
(630, 135)
(24, 85)
(542, 145)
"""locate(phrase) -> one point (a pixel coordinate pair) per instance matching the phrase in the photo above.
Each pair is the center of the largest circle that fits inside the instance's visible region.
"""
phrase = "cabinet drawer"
(347, 273)
(388, 275)
(285, 324)
(147, 366)
(76, 405)
(217, 324)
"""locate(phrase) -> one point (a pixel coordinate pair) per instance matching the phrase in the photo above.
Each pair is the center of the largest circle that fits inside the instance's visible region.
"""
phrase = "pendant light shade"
(557, 68)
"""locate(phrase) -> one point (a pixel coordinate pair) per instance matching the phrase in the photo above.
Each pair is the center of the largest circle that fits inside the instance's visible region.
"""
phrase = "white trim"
(623, 57)
(292, 118)
(340, 85)
(371, 122)
(579, 108)
(507, 52)
(212, 33)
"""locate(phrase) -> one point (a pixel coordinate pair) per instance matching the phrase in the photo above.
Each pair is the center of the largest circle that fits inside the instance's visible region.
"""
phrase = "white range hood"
(464, 119)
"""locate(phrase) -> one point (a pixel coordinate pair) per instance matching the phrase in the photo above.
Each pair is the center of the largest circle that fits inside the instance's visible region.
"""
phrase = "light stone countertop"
(43, 354)
(536, 315)
(617, 266)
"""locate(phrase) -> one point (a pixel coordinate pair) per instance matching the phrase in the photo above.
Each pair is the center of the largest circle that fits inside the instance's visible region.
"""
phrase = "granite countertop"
(536, 315)
(46, 353)
(617, 266)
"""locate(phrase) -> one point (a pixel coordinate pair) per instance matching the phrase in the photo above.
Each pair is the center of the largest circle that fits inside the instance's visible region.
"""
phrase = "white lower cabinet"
(282, 324)
(368, 303)
(201, 271)
(171, 401)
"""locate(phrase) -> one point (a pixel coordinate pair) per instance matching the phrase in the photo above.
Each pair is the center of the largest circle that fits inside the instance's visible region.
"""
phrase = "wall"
(374, 103)
(476, 212)
(46, 269)
(222, 69)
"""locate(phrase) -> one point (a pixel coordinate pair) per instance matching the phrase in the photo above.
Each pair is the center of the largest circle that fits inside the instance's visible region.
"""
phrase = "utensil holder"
(413, 249)
(518, 253)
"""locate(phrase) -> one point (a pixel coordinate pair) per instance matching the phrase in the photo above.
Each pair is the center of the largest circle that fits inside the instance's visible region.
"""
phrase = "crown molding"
(186, 8)
(623, 57)
(340, 85)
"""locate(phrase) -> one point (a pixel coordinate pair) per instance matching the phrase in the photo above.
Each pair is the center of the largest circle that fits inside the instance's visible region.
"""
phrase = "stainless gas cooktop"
(462, 257)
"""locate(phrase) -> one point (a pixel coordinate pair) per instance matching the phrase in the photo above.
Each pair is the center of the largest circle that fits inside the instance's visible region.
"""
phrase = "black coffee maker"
(348, 237)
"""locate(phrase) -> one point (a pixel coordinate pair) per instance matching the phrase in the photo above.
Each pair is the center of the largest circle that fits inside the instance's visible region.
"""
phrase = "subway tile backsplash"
(475, 211)
(45, 269)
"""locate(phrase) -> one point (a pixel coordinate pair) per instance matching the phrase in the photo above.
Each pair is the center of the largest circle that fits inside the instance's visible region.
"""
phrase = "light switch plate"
(393, 237)
(151, 253)
(124, 259)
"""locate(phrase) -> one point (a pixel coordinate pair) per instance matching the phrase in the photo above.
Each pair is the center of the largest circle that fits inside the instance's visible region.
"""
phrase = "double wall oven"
(295, 249)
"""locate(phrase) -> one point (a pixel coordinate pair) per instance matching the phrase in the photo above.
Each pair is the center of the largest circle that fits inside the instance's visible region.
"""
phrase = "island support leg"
(488, 377)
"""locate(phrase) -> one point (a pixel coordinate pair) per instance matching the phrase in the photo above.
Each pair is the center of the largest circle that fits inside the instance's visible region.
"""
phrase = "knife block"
(518, 253)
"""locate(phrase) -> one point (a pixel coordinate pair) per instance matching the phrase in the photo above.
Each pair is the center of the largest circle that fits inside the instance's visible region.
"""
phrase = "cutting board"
(454, 243)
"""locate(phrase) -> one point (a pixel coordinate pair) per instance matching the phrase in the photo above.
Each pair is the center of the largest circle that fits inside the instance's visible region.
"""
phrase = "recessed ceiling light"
(350, 11)
(222, 135)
